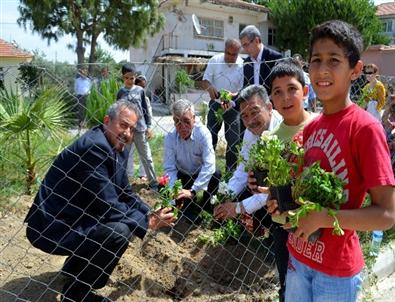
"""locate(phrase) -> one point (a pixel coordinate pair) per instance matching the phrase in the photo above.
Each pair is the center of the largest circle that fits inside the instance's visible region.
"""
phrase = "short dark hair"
(128, 67)
(254, 90)
(287, 67)
(343, 34)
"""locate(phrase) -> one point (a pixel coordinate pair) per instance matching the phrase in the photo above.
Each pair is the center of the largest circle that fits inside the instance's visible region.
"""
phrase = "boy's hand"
(253, 186)
(309, 224)
(149, 133)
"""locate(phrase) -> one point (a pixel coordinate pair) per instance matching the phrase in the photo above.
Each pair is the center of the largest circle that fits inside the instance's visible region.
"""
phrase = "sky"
(10, 31)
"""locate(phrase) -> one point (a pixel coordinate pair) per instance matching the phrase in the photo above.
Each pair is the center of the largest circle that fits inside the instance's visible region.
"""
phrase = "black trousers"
(279, 240)
(232, 132)
(212, 188)
(92, 258)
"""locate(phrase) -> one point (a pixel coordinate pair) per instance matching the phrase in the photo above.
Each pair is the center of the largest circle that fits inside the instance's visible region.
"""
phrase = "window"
(387, 26)
(271, 36)
(211, 28)
(241, 27)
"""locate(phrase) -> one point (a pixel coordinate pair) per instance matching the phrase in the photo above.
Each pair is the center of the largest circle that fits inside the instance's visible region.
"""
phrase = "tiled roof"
(240, 4)
(8, 50)
(386, 9)
(232, 3)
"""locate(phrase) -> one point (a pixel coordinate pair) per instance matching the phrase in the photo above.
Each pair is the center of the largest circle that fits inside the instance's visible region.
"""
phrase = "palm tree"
(30, 122)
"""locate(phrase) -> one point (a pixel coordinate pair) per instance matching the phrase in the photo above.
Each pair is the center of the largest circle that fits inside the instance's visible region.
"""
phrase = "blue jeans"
(308, 285)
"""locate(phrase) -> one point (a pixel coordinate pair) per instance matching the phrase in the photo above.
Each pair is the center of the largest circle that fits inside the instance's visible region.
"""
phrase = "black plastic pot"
(260, 176)
(283, 195)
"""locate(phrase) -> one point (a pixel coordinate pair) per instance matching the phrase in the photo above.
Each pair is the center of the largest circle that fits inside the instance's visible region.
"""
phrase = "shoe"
(74, 291)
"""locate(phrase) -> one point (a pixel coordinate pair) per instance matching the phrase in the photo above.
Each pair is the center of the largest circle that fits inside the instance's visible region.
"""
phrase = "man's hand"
(161, 218)
(185, 194)
(253, 186)
(212, 91)
(226, 106)
(149, 133)
(248, 221)
(225, 210)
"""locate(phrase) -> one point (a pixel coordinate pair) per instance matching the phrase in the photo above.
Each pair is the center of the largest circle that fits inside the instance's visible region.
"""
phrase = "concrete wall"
(383, 57)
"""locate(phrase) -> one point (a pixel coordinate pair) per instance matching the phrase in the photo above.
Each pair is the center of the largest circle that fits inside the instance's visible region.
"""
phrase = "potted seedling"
(314, 190)
(257, 161)
(223, 194)
(283, 161)
(225, 97)
(168, 197)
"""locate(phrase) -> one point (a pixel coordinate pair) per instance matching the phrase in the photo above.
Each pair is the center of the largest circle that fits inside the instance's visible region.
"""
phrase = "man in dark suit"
(259, 63)
(260, 60)
(85, 208)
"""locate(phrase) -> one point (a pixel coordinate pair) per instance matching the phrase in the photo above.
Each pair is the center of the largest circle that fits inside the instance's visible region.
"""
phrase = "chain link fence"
(167, 265)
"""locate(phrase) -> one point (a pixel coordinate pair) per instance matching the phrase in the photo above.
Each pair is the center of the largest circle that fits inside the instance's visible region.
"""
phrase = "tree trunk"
(92, 56)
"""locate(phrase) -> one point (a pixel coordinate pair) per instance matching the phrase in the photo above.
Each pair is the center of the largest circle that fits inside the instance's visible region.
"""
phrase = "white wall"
(10, 71)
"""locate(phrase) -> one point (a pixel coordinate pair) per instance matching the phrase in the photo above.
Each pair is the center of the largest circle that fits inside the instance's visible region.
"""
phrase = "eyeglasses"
(369, 72)
(245, 45)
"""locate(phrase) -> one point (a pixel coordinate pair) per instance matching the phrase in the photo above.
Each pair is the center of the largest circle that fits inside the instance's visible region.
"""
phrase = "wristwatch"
(238, 208)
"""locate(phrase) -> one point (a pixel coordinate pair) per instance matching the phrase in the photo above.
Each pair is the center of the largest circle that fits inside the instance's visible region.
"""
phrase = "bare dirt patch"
(166, 266)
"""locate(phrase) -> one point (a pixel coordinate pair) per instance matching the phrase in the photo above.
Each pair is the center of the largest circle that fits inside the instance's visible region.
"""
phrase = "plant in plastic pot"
(314, 190)
(257, 161)
(283, 162)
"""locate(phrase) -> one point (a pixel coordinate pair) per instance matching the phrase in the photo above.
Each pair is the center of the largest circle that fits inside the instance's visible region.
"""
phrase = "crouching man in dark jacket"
(85, 208)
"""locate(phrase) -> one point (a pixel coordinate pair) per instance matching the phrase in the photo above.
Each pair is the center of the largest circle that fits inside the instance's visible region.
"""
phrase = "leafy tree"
(122, 23)
(294, 20)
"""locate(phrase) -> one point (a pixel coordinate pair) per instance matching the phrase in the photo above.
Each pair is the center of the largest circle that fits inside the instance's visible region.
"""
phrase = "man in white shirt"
(82, 87)
(225, 71)
(258, 116)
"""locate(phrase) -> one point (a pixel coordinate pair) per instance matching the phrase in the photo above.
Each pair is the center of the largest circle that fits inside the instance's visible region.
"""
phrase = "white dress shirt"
(224, 76)
(191, 156)
(239, 178)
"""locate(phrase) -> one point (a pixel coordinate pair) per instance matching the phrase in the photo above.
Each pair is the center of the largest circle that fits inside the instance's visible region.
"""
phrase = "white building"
(180, 42)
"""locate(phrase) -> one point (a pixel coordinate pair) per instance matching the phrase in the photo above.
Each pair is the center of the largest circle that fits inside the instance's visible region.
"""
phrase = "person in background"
(310, 100)
(225, 71)
(144, 132)
(82, 87)
(142, 82)
(373, 92)
(85, 208)
(260, 60)
(189, 156)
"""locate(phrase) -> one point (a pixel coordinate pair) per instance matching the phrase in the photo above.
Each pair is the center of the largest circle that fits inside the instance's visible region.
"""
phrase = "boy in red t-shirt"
(351, 143)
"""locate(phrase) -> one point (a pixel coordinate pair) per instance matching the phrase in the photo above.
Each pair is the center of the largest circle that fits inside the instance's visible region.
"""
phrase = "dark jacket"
(85, 186)
(269, 57)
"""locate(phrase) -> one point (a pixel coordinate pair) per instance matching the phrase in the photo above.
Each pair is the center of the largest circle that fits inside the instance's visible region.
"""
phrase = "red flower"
(164, 180)
(298, 138)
